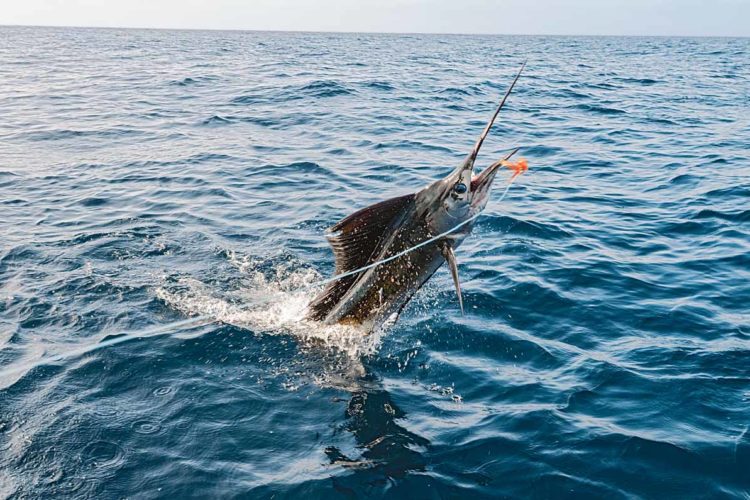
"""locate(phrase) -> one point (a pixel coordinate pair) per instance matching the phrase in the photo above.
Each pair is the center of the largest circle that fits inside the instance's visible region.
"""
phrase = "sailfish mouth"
(483, 181)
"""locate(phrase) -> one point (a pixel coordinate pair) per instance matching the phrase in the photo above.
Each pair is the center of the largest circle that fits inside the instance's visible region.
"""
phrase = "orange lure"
(520, 166)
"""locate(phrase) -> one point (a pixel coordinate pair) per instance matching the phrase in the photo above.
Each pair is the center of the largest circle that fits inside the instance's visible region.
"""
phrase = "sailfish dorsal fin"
(356, 241)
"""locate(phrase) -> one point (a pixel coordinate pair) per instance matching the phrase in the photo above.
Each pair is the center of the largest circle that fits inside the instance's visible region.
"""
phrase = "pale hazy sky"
(594, 17)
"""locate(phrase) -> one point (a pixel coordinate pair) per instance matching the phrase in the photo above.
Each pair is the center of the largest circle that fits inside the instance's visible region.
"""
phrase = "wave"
(325, 88)
(64, 134)
(216, 120)
(380, 85)
(600, 110)
(192, 80)
(639, 81)
(736, 216)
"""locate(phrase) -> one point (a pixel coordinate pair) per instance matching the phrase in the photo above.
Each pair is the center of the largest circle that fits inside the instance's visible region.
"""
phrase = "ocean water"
(163, 201)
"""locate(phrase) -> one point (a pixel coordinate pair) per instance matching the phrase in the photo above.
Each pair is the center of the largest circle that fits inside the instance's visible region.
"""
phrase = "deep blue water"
(152, 177)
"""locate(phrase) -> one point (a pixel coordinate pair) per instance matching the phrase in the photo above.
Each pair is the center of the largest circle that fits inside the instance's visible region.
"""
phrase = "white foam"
(269, 302)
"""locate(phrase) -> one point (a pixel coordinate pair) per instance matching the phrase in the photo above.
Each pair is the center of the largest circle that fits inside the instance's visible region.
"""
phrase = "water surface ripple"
(148, 177)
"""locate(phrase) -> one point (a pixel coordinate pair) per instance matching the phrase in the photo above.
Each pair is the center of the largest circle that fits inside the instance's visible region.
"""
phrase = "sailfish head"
(462, 194)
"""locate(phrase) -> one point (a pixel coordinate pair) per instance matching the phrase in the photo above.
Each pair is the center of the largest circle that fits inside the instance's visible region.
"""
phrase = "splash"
(271, 299)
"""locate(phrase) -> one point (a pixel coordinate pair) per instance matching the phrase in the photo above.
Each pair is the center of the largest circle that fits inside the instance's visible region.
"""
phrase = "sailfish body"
(391, 227)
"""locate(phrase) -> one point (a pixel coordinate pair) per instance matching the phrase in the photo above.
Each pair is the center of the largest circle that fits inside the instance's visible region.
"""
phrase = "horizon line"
(251, 30)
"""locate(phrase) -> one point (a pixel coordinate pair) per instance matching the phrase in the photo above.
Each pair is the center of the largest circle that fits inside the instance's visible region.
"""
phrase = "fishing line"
(410, 249)
(206, 320)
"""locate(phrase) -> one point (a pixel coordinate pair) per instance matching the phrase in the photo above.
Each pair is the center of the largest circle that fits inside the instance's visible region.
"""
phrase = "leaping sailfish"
(385, 229)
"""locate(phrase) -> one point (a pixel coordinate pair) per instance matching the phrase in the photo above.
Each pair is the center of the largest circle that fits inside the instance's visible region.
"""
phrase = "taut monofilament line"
(198, 321)
(418, 245)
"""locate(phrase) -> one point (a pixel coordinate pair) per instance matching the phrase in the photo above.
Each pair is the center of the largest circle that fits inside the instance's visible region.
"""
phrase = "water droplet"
(102, 458)
(162, 391)
(146, 427)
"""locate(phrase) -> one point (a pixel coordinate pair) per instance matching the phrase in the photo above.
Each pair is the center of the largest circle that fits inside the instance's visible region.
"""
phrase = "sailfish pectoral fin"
(450, 258)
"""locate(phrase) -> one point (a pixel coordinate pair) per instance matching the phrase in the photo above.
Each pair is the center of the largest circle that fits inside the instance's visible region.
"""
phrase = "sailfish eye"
(460, 188)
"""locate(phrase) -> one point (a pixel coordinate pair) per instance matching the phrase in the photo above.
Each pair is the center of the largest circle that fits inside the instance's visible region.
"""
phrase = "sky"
(550, 17)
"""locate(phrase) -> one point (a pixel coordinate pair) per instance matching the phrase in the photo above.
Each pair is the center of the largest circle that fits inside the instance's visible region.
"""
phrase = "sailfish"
(377, 294)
